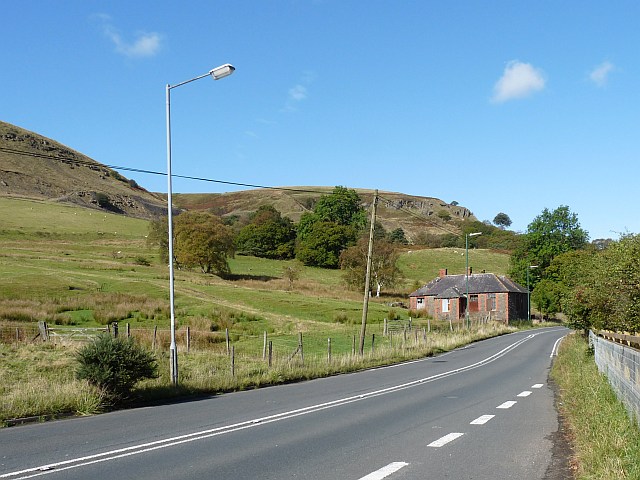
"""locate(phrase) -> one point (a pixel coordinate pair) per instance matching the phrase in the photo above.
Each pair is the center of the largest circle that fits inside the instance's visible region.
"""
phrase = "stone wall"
(621, 365)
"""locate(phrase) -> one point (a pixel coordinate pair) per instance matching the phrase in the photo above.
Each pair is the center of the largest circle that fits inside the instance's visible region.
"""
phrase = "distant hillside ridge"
(35, 167)
(414, 214)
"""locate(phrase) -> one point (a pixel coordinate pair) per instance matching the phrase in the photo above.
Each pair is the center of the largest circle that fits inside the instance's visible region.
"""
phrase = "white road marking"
(526, 393)
(482, 420)
(507, 404)
(385, 471)
(444, 440)
(537, 385)
(554, 350)
(200, 435)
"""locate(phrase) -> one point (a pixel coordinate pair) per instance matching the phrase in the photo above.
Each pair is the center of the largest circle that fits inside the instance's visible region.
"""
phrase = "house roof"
(454, 286)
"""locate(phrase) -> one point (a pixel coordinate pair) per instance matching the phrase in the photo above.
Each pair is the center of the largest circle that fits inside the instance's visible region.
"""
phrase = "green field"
(77, 268)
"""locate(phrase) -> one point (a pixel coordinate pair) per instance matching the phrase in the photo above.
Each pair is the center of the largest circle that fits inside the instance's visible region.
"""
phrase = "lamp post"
(217, 73)
(466, 245)
(529, 293)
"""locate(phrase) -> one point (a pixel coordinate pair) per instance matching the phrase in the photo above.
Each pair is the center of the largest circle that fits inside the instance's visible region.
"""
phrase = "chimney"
(443, 272)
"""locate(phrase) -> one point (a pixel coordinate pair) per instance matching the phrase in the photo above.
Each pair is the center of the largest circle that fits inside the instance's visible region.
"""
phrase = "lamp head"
(222, 71)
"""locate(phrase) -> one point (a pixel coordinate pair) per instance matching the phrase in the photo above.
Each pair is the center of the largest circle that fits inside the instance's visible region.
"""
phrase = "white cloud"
(518, 80)
(144, 45)
(298, 93)
(600, 74)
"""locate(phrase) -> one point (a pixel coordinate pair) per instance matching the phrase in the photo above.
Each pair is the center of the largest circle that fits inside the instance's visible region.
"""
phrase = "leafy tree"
(397, 236)
(502, 220)
(384, 269)
(549, 235)
(115, 365)
(202, 240)
(323, 244)
(291, 272)
(343, 218)
(267, 235)
(158, 236)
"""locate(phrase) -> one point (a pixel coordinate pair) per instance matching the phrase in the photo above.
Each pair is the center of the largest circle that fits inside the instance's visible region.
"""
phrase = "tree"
(158, 236)
(384, 269)
(115, 365)
(202, 240)
(333, 226)
(323, 244)
(397, 236)
(291, 272)
(268, 235)
(549, 235)
(502, 220)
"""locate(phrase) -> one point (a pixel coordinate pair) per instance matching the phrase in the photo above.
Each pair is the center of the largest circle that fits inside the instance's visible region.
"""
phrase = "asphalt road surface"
(485, 411)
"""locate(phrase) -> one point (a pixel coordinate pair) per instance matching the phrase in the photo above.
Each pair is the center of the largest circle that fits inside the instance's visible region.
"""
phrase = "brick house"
(491, 297)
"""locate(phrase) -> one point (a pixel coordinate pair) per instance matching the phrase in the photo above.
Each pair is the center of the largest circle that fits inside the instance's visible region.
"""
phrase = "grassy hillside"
(36, 167)
(395, 210)
(57, 260)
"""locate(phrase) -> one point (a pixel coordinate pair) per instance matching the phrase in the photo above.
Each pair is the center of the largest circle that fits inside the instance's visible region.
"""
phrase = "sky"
(502, 106)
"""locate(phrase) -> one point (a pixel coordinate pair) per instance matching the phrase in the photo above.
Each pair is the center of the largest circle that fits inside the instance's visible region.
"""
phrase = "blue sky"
(502, 106)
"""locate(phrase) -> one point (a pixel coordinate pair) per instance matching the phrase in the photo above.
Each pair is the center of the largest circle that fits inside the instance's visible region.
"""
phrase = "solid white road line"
(554, 350)
(507, 404)
(385, 471)
(526, 393)
(537, 385)
(199, 435)
(482, 420)
(444, 440)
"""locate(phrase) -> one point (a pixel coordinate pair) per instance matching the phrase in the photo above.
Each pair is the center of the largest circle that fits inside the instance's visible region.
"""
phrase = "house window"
(491, 302)
(445, 305)
(473, 298)
(420, 303)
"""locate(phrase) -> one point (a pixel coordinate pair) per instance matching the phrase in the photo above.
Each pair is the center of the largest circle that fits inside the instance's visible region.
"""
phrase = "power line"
(87, 163)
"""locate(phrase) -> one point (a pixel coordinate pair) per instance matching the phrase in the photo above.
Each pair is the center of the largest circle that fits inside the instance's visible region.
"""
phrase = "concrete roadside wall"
(621, 365)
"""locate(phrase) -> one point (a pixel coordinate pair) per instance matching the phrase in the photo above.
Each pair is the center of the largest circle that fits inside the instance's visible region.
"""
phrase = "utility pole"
(365, 305)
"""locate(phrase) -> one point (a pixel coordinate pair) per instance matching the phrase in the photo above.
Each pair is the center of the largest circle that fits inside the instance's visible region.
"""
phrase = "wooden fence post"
(373, 341)
(233, 361)
(188, 339)
(329, 349)
(300, 347)
(115, 329)
(385, 329)
(128, 330)
(264, 346)
(226, 333)
(44, 331)
(429, 324)
(353, 348)
(410, 324)
(155, 334)
(270, 352)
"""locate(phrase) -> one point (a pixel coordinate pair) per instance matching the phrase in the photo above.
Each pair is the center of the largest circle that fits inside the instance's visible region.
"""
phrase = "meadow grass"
(78, 268)
(605, 439)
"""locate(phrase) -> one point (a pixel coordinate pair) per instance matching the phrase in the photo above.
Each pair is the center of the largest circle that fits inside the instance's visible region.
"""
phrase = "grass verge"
(605, 439)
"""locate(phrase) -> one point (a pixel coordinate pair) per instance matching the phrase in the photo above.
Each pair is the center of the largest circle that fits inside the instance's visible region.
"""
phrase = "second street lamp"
(466, 244)
(216, 73)
(529, 293)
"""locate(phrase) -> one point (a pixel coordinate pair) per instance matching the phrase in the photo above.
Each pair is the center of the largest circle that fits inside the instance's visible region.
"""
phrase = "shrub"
(115, 365)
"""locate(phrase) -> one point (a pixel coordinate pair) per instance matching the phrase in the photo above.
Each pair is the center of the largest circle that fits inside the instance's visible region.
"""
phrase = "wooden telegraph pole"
(365, 305)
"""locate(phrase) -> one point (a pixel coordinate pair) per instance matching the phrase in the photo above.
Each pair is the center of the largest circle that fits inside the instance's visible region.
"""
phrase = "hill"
(395, 210)
(38, 168)
(35, 167)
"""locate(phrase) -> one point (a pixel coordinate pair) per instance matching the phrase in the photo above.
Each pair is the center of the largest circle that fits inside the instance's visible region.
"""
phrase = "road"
(484, 411)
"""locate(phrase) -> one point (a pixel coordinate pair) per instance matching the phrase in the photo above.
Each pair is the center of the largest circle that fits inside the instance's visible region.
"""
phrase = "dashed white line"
(507, 404)
(385, 471)
(526, 393)
(537, 385)
(444, 440)
(482, 420)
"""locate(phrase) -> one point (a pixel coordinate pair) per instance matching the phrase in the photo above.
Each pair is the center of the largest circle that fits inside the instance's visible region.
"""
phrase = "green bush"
(115, 365)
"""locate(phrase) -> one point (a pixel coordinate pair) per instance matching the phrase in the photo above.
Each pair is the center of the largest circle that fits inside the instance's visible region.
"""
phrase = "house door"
(474, 305)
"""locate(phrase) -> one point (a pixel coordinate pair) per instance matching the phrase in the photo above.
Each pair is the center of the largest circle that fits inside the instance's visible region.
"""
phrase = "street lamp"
(216, 73)
(474, 234)
(529, 293)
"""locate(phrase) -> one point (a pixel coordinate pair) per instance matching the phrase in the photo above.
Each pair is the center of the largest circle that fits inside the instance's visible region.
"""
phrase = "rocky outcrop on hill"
(33, 166)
